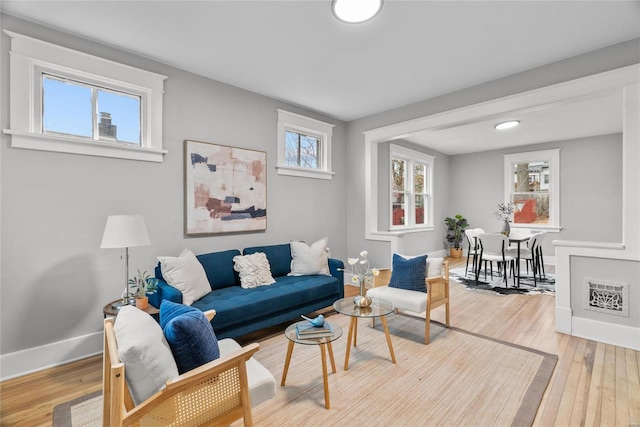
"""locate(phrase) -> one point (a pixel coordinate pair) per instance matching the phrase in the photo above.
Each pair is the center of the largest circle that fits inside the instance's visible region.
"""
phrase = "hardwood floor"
(593, 383)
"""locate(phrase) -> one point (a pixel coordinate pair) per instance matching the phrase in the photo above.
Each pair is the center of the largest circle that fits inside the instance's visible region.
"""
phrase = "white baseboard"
(608, 333)
(36, 359)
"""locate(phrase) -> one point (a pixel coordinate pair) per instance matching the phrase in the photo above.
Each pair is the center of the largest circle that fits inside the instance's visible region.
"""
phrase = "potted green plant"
(141, 286)
(455, 231)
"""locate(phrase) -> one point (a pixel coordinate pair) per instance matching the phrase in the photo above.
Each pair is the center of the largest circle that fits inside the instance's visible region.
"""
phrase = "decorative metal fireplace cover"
(606, 296)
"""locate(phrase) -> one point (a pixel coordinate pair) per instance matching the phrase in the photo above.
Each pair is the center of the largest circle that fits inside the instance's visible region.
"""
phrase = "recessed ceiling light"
(355, 11)
(507, 125)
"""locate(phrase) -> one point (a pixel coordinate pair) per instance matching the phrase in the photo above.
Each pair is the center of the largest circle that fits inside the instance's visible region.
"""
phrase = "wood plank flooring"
(593, 384)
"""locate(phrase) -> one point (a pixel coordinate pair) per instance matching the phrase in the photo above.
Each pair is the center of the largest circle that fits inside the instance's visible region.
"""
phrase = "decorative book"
(305, 331)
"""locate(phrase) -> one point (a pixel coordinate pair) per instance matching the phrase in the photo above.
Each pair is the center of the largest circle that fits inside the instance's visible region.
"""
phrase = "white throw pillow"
(307, 260)
(254, 270)
(186, 274)
(433, 267)
(144, 351)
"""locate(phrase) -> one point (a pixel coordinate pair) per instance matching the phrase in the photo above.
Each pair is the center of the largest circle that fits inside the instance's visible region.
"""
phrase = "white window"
(532, 183)
(68, 101)
(411, 188)
(304, 146)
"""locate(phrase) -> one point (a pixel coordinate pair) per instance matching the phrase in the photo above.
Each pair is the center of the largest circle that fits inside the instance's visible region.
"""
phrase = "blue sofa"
(241, 311)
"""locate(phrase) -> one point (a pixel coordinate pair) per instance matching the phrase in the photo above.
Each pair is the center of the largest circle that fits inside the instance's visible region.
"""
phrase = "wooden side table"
(108, 310)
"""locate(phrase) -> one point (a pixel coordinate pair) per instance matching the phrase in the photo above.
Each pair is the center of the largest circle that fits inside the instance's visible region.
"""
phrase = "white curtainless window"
(68, 101)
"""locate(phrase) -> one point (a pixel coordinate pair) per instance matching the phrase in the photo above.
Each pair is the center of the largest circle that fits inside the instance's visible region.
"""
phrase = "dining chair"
(493, 248)
(472, 249)
(530, 255)
(540, 257)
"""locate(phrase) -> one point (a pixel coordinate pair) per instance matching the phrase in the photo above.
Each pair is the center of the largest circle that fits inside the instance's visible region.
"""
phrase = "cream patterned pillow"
(254, 270)
(186, 274)
(307, 260)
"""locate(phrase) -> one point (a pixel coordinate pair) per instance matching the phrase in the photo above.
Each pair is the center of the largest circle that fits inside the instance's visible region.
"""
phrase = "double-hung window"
(532, 183)
(68, 101)
(304, 146)
(411, 188)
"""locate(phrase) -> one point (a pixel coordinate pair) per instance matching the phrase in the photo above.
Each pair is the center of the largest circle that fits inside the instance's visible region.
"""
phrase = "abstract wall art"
(225, 189)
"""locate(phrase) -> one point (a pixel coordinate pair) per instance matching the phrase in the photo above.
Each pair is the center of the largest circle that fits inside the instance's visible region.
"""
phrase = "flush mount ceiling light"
(355, 11)
(507, 125)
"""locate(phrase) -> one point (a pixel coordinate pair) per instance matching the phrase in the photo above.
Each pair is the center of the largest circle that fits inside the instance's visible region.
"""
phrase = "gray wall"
(55, 278)
(449, 201)
(590, 188)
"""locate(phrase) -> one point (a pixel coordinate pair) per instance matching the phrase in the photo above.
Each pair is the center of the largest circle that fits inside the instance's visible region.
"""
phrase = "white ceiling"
(297, 52)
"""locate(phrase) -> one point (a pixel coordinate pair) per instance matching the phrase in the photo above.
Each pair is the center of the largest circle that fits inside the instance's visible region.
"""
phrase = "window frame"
(412, 157)
(297, 123)
(30, 58)
(553, 157)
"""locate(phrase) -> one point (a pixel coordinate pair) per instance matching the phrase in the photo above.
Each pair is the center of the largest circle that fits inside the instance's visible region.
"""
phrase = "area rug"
(495, 283)
(84, 411)
(460, 378)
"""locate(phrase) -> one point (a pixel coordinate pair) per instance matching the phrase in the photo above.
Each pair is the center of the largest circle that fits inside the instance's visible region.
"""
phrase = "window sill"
(403, 231)
(71, 145)
(304, 173)
(532, 227)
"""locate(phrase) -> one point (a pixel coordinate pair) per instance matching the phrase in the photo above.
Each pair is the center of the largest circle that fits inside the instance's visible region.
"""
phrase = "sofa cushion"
(279, 257)
(254, 270)
(307, 260)
(144, 351)
(189, 334)
(186, 274)
(236, 305)
(218, 267)
(409, 273)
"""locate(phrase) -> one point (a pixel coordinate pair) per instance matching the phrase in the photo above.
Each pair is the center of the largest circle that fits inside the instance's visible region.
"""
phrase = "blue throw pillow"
(189, 334)
(408, 273)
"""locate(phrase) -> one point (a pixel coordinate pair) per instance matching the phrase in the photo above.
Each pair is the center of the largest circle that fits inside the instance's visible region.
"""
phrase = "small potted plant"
(141, 286)
(455, 231)
(504, 212)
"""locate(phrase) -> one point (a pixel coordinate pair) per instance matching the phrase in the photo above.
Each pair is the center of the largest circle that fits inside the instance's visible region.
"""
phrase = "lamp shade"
(125, 231)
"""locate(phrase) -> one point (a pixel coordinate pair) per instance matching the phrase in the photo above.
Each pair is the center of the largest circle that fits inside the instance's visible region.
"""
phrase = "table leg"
(386, 332)
(325, 377)
(352, 326)
(518, 266)
(286, 363)
(355, 332)
(333, 362)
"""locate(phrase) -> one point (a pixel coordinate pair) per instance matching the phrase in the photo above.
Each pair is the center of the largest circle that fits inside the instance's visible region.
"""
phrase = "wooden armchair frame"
(437, 294)
(216, 393)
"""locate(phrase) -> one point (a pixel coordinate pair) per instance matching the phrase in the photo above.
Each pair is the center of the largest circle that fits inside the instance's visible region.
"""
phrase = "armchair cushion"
(409, 273)
(145, 352)
(189, 334)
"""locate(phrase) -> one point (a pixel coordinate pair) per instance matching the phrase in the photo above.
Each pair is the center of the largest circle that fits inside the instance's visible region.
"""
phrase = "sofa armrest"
(165, 291)
(336, 268)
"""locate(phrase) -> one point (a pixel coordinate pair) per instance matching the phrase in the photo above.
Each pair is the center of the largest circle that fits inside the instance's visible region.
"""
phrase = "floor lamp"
(125, 231)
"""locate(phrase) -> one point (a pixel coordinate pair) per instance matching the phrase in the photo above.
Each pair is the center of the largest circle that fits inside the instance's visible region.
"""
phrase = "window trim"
(30, 57)
(412, 157)
(308, 126)
(553, 157)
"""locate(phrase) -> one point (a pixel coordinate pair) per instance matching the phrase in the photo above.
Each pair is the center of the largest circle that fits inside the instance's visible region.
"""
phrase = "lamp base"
(118, 305)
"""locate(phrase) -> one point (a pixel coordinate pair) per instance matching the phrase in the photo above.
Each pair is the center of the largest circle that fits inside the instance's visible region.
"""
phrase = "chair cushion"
(307, 260)
(144, 351)
(402, 299)
(409, 273)
(254, 270)
(186, 274)
(189, 334)
(262, 384)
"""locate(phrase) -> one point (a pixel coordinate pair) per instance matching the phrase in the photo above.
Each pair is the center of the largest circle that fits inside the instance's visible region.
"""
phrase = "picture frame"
(225, 189)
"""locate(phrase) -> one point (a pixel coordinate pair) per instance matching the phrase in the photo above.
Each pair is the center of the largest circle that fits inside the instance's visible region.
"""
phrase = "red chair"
(527, 214)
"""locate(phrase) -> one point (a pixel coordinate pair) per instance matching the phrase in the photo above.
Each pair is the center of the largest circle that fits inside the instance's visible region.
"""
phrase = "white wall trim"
(608, 333)
(47, 356)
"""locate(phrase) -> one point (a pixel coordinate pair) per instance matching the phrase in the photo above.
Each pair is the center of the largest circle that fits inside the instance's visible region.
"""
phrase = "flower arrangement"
(505, 210)
(143, 284)
(360, 269)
